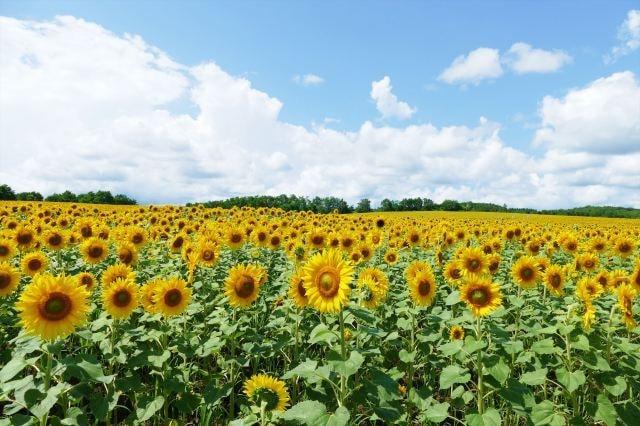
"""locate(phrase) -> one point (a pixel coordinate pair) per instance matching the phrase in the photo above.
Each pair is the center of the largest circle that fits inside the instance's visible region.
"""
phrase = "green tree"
(6, 193)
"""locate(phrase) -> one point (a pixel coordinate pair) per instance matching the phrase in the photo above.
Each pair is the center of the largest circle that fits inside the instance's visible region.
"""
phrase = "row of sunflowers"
(188, 315)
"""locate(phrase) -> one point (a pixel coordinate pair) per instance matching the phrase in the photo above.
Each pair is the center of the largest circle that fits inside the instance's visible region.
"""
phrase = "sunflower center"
(493, 266)
(624, 248)
(473, 265)
(365, 253)
(275, 241)
(86, 231)
(236, 238)
(173, 297)
(56, 308)
(555, 281)
(571, 246)
(526, 273)
(455, 273)
(244, 286)
(55, 240)
(479, 297)
(122, 298)
(24, 238)
(391, 257)
(424, 287)
(457, 334)
(317, 240)
(599, 246)
(95, 251)
(177, 243)
(34, 264)
(268, 396)
(380, 223)
(415, 238)
(301, 290)
(125, 256)
(603, 281)
(328, 282)
(5, 280)
(87, 281)
(207, 255)
(347, 242)
(137, 239)
(4, 250)
(262, 236)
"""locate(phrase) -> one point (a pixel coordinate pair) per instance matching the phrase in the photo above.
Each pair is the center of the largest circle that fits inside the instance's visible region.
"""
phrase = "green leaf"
(491, 417)
(306, 412)
(615, 385)
(581, 343)
(471, 344)
(346, 368)
(453, 298)
(437, 413)
(500, 371)
(304, 370)
(545, 346)
(407, 357)
(606, 412)
(534, 378)
(451, 348)
(146, 410)
(339, 418)
(158, 360)
(570, 380)
(544, 414)
(453, 374)
(322, 333)
(49, 400)
(13, 367)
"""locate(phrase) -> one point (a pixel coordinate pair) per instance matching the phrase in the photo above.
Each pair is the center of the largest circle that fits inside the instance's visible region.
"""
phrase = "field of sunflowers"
(187, 315)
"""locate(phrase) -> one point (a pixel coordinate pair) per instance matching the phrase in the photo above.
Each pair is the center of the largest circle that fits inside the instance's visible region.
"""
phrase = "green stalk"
(480, 368)
(343, 379)
(47, 384)
(232, 397)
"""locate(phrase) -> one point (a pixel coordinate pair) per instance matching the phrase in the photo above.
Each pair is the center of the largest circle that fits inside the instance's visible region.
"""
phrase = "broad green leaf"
(544, 346)
(146, 410)
(453, 374)
(534, 378)
(304, 369)
(322, 333)
(451, 348)
(491, 417)
(544, 413)
(350, 366)
(407, 357)
(606, 412)
(306, 412)
(500, 371)
(570, 380)
(437, 413)
(339, 418)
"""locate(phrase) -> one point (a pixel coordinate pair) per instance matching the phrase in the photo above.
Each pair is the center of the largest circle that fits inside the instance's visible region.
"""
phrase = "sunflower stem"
(343, 379)
(410, 371)
(480, 368)
(232, 397)
(47, 383)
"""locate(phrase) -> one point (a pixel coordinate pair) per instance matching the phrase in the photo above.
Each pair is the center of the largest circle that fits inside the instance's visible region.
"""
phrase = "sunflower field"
(187, 315)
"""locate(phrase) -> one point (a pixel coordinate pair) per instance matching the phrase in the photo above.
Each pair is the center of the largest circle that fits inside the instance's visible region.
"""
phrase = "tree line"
(98, 197)
(330, 204)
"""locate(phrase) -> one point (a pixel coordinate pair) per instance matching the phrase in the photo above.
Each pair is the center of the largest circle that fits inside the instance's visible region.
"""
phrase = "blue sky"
(352, 44)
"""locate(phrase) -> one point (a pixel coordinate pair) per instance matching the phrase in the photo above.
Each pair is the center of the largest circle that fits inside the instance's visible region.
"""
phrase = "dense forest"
(328, 204)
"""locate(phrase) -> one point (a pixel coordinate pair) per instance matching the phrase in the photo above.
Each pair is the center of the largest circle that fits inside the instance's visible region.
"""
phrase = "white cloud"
(308, 79)
(387, 103)
(628, 37)
(602, 117)
(85, 109)
(523, 58)
(480, 64)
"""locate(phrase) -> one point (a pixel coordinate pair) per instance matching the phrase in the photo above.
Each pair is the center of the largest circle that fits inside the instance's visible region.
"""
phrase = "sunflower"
(234, 237)
(317, 238)
(555, 280)
(453, 272)
(598, 244)
(635, 277)
(274, 241)
(137, 236)
(55, 240)
(589, 315)
(243, 284)
(120, 298)
(34, 263)
(626, 294)
(9, 279)
(413, 237)
(127, 253)
(391, 257)
(177, 242)
(52, 306)
(117, 271)
(7, 249)
(327, 278)
(481, 296)
(422, 288)
(366, 251)
(456, 333)
(494, 263)
(618, 277)
(94, 250)
(260, 236)
(602, 278)
(207, 253)
(171, 297)
(624, 247)
(587, 262)
(525, 272)
(588, 289)
(263, 389)
(473, 261)
(297, 292)
(25, 237)
(414, 268)
(86, 280)
(372, 294)
(146, 294)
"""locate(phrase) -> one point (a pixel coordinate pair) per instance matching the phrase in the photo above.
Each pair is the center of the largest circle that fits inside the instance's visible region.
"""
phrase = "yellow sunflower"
(525, 272)
(422, 288)
(9, 279)
(635, 277)
(327, 279)
(391, 257)
(7, 249)
(171, 297)
(146, 294)
(588, 289)
(626, 294)
(481, 296)
(94, 250)
(456, 333)
(414, 268)
(473, 261)
(117, 271)
(86, 280)
(587, 262)
(366, 251)
(120, 298)
(54, 239)
(234, 237)
(34, 263)
(207, 253)
(453, 272)
(127, 253)
(317, 238)
(297, 292)
(25, 237)
(555, 280)
(242, 285)
(263, 389)
(372, 294)
(52, 306)
(624, 247)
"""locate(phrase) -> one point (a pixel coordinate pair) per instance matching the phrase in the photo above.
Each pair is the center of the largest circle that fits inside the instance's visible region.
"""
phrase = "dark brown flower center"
(177, 243)
(57, 307)
(173, 297)
(125, 256)
(4, 250)
(245, 286)
(208, 255)
(86, 231)
(236, 238)
(391, 257)
(55, 240)
(137, 238)
(5, 280)
(24, 238)
(328, 281)
(34, 264)
(479, 297)
(526, 273)
(87, 281)
(301, 290)
(95, 251)
(555, 280)
(122, 298)
(424, 287)
(473, 265)
(317, 240)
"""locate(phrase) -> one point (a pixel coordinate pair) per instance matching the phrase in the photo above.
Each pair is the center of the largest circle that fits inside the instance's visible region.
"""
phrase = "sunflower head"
(525, 272)
(243, 284)
(626, 295)
(34, 263)
(120, 298)
(25, 237)
(327, 279)
(481, 296)
(117, 271)
(297, 292)
(9, 279)
(453, 272)
(127, 253)
(555, 280)
(94, 250)
(588, 289)
(391, 257)
(55, 239)
(473, 261)
(422, 288)
(7, 249)
(414, 268)
(371, 292)
(267, 391)
(207, 253)
(52, 306)
(147, 292)
(456, 333)
(86, 280)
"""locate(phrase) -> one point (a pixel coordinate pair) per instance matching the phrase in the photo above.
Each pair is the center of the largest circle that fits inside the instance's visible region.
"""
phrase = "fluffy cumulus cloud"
(628, 37)
(387, 103)
(602, 117)
(308, 79)
(83, 109)
(523, 58)
(480, 64)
